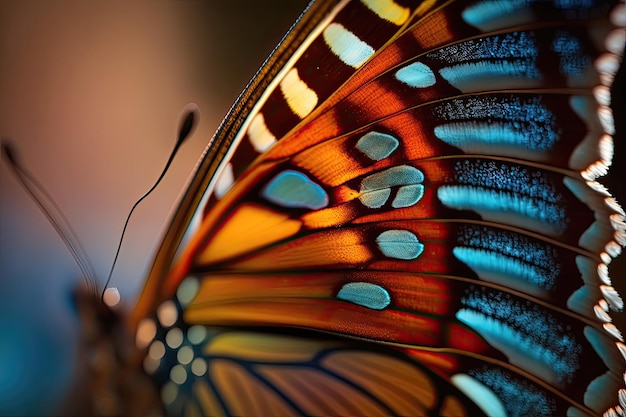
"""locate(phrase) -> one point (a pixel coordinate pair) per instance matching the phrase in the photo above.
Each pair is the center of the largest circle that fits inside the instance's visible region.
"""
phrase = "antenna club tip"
(191, 108)
(7, 150)
(190, 115)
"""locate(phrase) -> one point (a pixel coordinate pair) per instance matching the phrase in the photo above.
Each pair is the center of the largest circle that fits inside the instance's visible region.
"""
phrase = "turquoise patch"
(347, 46)
(416, 75)
(377, 146)
(293, 189)
(481, 394)
(376, 188)
(375, 199)
(365, 294)
(399, 244)
(408, 195)
(400, 175)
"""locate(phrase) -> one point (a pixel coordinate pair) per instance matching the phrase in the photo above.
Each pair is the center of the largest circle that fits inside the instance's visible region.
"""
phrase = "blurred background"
(90, 96)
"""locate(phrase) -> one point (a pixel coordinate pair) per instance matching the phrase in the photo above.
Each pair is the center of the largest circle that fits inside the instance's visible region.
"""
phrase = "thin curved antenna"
(186, 127)
(54, 214)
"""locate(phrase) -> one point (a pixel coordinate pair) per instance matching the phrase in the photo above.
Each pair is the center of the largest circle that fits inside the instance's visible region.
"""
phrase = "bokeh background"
(90, 96)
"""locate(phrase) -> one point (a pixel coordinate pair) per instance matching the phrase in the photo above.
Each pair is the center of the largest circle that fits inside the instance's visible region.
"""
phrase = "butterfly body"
(401, 217)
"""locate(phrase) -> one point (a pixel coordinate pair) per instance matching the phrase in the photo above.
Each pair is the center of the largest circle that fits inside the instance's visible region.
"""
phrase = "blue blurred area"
(38, 327)
(35, 362)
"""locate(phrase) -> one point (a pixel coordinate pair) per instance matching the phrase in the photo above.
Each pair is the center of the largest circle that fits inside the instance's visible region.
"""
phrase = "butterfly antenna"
(53, 213)
(186, 127)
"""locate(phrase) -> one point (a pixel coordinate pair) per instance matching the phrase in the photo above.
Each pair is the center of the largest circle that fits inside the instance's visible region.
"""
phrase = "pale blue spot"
(365, 294)
(484, 397)
(377, 146)
(416, 75)
(196, 334)
(408, 195)
(376, 188)
(293, 189)
(375, 199)
(399, 244)
(394, 176)
(346, 45)
(519, 396)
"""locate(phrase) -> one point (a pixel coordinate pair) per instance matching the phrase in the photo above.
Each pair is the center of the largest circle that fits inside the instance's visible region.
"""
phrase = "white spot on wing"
(416, 75)
(300, 98)
(607, 65)
(174, 338)
(351, 50)
(187, 290)
(388, 10)
(605, 115)
(225, 181)
(150, 365)
(185, 355)
(612, 297)
(169, 393)
(198, 367)
(613, 331)
(196, 334)
(178, 374)
(157, 350)
(260, 136)
(602, 94)
(167, 313)
(622, 350)
(615, 40)
(601, 314)
(484, 397)
(146, 330)
(618, 16)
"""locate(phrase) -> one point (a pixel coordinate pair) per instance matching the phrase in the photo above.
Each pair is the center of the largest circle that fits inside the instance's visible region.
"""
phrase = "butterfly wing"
(413, 189)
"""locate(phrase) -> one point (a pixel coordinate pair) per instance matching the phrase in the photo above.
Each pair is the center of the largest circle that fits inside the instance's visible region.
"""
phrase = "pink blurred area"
(90, 97)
